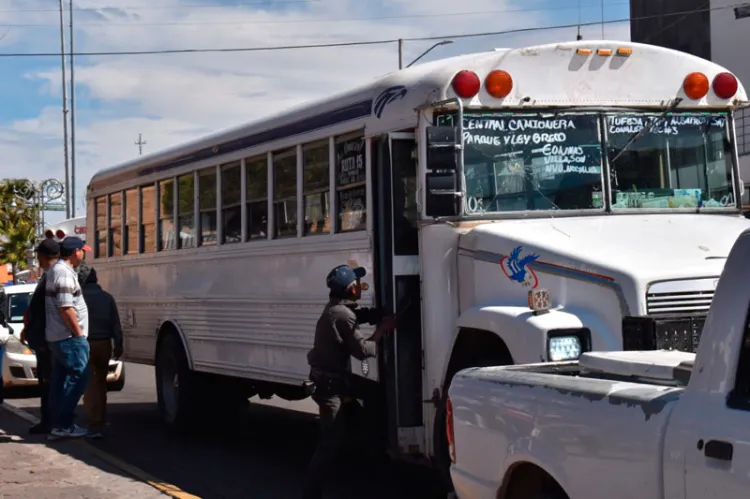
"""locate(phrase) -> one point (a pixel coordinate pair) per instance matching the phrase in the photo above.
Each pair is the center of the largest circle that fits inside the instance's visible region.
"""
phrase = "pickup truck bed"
(522, 413)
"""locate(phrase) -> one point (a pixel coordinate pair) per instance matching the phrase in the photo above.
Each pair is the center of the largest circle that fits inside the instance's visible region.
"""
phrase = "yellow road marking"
(160, 485)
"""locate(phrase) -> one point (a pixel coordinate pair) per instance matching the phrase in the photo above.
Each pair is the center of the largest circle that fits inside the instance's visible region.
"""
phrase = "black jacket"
(104, 319)
(337, 336)
(37, 318)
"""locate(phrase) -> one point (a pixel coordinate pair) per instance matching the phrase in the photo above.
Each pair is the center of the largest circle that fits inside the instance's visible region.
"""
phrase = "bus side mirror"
(443, 197)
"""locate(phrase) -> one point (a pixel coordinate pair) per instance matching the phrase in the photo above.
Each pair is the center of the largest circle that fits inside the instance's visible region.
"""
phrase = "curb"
(160, 485)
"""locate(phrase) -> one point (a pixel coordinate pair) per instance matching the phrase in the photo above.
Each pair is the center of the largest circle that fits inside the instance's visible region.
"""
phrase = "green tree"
(17, 223)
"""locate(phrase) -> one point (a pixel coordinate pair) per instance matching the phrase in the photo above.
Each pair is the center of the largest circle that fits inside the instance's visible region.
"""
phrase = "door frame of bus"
(398, 284)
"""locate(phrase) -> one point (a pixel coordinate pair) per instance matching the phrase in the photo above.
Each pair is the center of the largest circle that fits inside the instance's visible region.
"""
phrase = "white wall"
(730, 40)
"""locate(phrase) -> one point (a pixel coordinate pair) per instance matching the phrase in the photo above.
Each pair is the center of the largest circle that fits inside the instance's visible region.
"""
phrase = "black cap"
(48, 247)
(342, 276)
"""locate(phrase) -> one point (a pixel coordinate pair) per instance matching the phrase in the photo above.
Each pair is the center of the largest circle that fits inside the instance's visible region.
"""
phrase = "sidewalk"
(32, 468)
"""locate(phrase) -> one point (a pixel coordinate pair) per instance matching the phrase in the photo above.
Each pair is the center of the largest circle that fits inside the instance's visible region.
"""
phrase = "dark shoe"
(39, 429)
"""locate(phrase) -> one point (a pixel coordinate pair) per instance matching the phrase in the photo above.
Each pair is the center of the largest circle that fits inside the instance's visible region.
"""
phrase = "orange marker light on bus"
(604, 51)
(624, 51)
(498, 83)
(696, 86)
(584, 51)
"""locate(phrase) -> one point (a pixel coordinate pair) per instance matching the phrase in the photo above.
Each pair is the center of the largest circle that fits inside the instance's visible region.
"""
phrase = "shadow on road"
(262, 455)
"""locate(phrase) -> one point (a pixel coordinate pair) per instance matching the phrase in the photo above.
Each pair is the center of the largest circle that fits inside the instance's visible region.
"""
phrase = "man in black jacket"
(104, 330)
(337, 337)
(48, 252)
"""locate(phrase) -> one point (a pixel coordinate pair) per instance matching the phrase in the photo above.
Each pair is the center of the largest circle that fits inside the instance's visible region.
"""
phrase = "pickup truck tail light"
(449, 430)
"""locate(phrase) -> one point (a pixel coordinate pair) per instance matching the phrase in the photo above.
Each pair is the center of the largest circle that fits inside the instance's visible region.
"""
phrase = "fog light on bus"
(696, 86)
(563, 348)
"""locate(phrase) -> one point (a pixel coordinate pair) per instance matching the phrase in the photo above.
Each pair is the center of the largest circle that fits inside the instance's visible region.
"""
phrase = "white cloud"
(172, 98)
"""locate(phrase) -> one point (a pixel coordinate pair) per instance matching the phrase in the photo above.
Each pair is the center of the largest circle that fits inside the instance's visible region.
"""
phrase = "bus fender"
(523, 332)
(168, 325)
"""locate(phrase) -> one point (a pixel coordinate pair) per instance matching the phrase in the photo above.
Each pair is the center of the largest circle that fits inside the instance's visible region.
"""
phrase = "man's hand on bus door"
(387, 324)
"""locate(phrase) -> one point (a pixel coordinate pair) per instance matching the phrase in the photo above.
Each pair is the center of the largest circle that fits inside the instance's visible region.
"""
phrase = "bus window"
(102, 228)
(256, 191)
(186, 221)
(351, 188)
(405, 235)
(285, 192)
(315, 161)
(166, 215)
(115, 224)
(148, 219)
(131, 222)
(231, 202)
(207, 205)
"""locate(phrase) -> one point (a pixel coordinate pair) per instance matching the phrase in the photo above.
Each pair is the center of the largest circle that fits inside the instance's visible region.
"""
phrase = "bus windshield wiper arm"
(646, 129)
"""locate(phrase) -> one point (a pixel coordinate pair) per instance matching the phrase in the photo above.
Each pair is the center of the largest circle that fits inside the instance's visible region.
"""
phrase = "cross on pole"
(140, 143)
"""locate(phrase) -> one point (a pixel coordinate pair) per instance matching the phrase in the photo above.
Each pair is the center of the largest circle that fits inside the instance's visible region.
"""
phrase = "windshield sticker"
(516, 268)
(669, 125)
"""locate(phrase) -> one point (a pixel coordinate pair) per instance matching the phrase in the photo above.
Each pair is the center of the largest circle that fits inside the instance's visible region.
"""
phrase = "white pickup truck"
(640, 425)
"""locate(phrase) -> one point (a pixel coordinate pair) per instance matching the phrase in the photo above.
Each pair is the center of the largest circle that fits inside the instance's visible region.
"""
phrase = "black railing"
(742, 126)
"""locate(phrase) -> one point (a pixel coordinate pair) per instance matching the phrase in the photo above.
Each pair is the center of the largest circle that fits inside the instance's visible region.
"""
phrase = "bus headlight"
(565, 345)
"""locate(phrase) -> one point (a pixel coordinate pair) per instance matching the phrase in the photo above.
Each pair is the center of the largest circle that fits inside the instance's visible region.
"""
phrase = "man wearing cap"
(337, 338)
(33, 334)
(66, 330)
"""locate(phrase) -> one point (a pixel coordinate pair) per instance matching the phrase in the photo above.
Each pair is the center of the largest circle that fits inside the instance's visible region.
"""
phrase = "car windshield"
(17, 304)
(529, 162)
(681, 161)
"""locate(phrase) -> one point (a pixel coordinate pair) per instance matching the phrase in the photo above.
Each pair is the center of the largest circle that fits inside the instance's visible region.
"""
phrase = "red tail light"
(49, 234)
(449, 430)
(466, 84)
(60, 234)
(725, 85)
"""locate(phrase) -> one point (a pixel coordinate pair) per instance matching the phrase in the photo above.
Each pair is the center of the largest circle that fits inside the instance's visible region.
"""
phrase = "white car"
(19, 361)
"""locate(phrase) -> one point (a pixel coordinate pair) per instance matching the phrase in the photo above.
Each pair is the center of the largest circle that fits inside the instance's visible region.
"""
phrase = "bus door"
(398, 287)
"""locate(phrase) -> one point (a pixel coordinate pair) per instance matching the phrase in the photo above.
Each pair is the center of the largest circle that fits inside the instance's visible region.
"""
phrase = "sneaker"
(74, 431)
(39, 429)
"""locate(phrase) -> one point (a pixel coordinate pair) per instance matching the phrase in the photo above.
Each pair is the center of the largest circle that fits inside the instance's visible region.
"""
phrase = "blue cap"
(72, 243)
(343, 276)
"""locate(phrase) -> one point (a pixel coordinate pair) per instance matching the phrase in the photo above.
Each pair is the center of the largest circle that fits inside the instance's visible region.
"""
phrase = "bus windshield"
(534, 162)
(527, 162)
(680, 161)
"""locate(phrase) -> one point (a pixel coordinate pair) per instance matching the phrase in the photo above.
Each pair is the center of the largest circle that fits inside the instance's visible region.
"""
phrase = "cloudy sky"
(174, 98)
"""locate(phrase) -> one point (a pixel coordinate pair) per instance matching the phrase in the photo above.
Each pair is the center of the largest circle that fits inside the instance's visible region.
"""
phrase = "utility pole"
(65, 113)
(400, 53)
(72, 121)
(140, 143)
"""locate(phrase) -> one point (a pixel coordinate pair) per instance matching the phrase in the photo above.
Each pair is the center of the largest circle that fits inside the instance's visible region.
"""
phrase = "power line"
(363, 43)
(236, 4)
(310, 21)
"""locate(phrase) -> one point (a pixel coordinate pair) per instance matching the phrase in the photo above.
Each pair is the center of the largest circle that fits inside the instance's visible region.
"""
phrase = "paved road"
(263, 457)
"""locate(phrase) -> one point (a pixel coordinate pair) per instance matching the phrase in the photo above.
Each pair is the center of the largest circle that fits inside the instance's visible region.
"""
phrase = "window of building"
(256, 191)
(167, 233)
(186, 213)
(351, 183)
(207, 205)
(131, 222)
(315, 164)
(148, 219)
(285, 192)
(102, 228)
(115, 224)
(231, 202)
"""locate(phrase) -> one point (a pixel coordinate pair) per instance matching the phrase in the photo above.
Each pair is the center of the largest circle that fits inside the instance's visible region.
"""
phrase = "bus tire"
(174, 384)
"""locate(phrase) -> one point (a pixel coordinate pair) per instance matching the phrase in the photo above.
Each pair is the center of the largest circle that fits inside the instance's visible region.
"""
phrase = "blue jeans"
(70, 374)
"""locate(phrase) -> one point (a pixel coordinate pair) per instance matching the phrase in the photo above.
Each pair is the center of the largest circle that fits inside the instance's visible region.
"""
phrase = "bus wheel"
(173, 383)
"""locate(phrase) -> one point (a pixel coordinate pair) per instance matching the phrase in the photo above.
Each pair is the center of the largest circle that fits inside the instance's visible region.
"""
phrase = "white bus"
(530, 204)
(69, 227)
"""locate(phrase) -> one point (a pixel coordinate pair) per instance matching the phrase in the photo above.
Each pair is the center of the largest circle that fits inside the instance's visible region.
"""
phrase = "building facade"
(713, 30)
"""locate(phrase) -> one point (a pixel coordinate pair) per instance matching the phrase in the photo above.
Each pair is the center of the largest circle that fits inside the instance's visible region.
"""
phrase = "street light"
(45, 195)
(401, 52)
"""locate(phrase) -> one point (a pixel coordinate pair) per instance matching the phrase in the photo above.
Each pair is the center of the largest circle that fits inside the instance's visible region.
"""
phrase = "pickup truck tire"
(441, 459)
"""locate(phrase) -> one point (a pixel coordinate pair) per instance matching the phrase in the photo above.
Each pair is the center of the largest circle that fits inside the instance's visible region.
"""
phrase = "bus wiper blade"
(646, 128)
